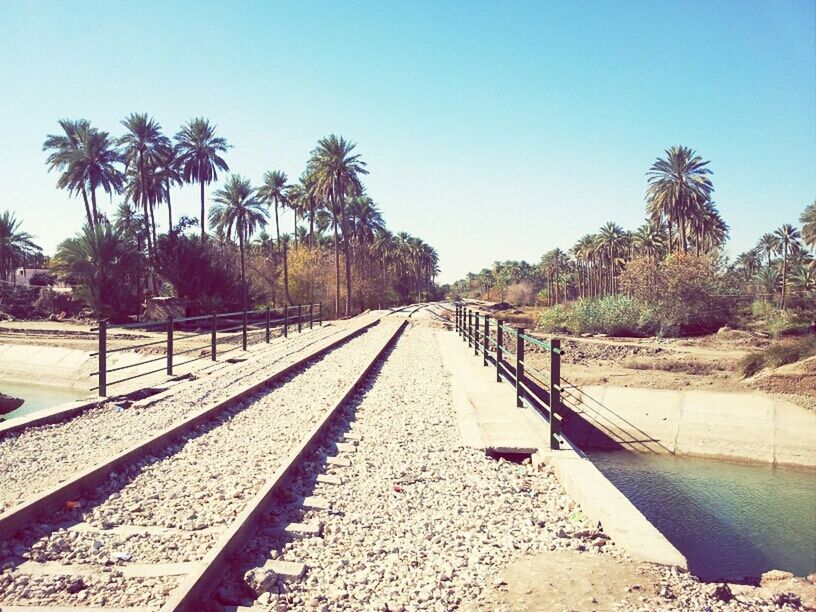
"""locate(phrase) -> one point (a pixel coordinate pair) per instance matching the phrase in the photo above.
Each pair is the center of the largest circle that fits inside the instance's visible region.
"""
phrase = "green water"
(38, 397)
(732, 521)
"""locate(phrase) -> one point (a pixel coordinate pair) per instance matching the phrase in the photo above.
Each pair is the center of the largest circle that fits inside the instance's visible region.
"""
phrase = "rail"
(256, 323)
(503, 347)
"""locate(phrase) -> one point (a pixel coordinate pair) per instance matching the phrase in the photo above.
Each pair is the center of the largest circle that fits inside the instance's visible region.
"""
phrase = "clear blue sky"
(492, 130)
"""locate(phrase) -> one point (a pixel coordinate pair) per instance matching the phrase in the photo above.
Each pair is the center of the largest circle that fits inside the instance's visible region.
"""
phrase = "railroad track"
(44, 454)
(159, 522)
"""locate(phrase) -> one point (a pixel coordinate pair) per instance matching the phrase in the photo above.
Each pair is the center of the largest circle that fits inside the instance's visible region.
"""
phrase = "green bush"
(615, 315)
(556, 319)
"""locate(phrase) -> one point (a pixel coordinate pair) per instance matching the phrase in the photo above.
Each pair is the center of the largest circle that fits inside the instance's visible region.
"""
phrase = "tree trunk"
(169, 210)
(203, 221)
(294, 234)
(277, 227)
(286, 275)
(243, 269)
(784, 272)
(93, 206)
(91, 222)
(336, 271)
(348, 259)
(311, 226)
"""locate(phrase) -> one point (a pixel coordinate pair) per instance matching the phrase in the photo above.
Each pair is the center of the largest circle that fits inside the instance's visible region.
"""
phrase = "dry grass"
(783, 352)
(683, 366)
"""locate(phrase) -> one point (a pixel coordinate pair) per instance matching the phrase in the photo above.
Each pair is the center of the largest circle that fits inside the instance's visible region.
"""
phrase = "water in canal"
(38, 397)
(731, 521)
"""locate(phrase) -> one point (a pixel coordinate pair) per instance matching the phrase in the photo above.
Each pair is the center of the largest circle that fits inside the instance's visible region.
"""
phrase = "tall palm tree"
(788, 237)
(678, 187)
(87, 159)
(383, 248)
(199, 156)
(808, 220)
(336, 171)
(144, 148)
(64, 149)
(169, 174)
(768, 244)
(274, 193)
(238, 212)
(16, 246)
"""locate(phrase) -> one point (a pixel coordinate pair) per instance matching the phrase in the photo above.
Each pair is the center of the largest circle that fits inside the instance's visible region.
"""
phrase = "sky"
(492, 130)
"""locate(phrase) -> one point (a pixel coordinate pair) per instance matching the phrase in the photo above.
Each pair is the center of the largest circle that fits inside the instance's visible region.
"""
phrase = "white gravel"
(37, 458)
(198, 483)
(421, 522)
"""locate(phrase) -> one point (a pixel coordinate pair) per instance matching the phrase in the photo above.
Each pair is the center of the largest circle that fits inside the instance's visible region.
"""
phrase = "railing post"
(103, 357)
(476, 334)
(498, 349)
(311, 316)
(300, 319)
(320, 314)
(469, 333)
(213, 331)
(170, 346)
(456, 317)
(244, 331)
(519, 365)
(485, 339)
(268, 322)
(555, 392)
(285, 321)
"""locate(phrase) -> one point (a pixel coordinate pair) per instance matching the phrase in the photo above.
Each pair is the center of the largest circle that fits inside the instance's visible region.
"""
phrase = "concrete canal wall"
(732, 426)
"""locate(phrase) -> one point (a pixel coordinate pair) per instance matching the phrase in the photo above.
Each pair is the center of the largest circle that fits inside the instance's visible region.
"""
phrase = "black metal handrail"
(262, 321)
(530, 384)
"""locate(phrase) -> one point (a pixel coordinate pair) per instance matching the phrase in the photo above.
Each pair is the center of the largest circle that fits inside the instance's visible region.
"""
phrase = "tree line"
(333, 218)
(681, 218)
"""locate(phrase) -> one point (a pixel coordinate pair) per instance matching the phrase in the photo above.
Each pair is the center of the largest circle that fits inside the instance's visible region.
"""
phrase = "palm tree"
(238, 212)
(788, 238)
(198, 150)
(678, 187)
(383, 248)
(144, 149)
(87, 159)
(169, 174)
(336, 172)
(16, 246)
(768, 244)
(808, 220)
(107, 267)
(274, 193)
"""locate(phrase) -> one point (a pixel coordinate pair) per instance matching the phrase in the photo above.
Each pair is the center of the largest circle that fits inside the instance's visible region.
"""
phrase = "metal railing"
(255, 323)
(503, 346)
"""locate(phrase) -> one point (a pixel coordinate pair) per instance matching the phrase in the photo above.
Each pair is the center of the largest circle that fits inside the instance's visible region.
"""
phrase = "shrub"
(204, 273)
(41, 279)
(107, 267)
(788, 350)
(556, 319)
(686, 293)
(522, 293)
(615, 315)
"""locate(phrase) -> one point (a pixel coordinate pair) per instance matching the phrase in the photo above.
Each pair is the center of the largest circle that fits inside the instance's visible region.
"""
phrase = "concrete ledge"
(734, 426)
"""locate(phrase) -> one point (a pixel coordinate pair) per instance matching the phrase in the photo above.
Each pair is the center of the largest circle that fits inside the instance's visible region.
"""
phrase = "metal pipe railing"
(510, 364)
(260, 320)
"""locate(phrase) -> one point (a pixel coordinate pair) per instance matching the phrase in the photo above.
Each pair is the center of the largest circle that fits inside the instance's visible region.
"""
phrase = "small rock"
(774, 576)
(261, 580)
(75, 586)
(720, 592)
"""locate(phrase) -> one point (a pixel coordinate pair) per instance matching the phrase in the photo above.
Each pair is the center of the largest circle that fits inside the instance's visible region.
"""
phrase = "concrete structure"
(734, 426)
(489, 420)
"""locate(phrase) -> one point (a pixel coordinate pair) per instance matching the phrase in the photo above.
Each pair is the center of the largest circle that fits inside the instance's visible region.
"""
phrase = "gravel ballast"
(196, 485)
(35, 459)
(421, 522)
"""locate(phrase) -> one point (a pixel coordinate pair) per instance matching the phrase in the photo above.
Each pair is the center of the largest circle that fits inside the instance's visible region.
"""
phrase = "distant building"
(20, 276)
